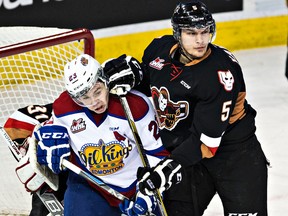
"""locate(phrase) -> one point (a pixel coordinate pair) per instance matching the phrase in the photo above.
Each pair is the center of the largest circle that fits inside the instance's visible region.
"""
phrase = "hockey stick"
(93, 179)
(141, 150)
(12, 146)
(49, 200)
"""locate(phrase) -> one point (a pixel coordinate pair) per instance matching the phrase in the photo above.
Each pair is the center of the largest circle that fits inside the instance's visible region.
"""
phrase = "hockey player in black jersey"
(213, 135)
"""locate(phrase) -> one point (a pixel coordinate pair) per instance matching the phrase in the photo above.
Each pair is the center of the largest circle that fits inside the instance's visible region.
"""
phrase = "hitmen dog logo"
(169, 112)
(226, 79)
(104, 159)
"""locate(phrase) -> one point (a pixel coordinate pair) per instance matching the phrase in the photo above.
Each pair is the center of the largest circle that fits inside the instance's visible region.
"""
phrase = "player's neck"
(184, 59)
(178, 55)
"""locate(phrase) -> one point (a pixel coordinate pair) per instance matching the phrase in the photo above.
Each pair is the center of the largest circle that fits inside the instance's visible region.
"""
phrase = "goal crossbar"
(56, 39)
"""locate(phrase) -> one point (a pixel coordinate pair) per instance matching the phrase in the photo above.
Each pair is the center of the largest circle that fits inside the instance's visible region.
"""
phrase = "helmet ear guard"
(194, 14)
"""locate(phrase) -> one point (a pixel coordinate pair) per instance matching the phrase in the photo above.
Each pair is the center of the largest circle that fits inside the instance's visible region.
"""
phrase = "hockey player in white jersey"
(89, 128)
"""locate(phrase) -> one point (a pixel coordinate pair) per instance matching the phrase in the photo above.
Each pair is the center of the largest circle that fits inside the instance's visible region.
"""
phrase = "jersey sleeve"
(22, 122)
(148, 130)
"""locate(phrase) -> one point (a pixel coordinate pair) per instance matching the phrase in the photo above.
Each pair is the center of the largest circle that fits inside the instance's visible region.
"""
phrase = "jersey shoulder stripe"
(64, 105)
(21, 120)
(139, 107)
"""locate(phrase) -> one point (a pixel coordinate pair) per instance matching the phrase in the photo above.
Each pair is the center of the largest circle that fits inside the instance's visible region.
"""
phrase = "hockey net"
(31, 70)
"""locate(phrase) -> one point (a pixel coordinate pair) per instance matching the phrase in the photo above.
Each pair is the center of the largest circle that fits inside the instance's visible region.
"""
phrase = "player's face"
(195, 41)
(96, 99)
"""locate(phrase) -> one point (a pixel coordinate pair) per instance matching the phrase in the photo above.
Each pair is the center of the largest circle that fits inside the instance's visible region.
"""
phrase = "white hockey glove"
(166, 173)
(53, 146)
(142, 205)
(123, 74)
(32, 174)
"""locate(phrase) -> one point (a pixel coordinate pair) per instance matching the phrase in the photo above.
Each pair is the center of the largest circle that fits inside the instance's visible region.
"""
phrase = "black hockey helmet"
(194, 14)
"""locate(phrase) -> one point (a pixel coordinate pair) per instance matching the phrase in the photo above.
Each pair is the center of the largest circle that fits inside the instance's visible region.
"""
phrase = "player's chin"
(99, 109)
(200, 52)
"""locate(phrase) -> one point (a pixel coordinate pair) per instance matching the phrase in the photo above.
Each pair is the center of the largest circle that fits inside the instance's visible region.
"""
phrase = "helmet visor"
(91, 97)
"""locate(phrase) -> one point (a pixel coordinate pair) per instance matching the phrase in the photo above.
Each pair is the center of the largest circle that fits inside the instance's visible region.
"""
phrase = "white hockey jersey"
(104, 143)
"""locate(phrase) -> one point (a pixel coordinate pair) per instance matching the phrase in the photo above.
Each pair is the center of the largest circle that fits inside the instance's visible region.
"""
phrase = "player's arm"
(19, 126)
(147, 127)
(22, 122)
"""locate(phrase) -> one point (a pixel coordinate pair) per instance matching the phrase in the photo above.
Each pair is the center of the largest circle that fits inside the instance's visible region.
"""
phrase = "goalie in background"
(19, 126)
(88, 127)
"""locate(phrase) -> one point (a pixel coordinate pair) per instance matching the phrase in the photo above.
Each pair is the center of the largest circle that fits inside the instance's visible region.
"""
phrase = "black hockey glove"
(166, 173)
(123, 74)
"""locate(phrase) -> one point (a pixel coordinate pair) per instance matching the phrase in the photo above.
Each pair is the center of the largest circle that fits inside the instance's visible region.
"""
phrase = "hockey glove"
(123, 74)
(53, 146)
(32, 174)
(142, 205)
(166, 173)
(28, 176)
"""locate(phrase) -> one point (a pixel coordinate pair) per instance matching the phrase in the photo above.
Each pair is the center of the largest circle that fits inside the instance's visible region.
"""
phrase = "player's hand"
(141, 205)
(123, 74)
(53, 146)
(162, 176)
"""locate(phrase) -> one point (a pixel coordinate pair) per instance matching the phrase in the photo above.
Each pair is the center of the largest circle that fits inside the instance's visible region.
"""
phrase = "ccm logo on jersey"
(55, 135)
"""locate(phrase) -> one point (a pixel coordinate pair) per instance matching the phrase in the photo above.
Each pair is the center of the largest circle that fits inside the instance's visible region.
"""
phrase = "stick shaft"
(141, 149)
(96, 181)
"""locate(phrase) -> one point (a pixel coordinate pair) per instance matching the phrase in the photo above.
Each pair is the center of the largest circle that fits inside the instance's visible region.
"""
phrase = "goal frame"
(19, 198)
(77, 34)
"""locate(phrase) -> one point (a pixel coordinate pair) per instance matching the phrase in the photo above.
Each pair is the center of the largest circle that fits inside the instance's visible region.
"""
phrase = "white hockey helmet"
(81, 74)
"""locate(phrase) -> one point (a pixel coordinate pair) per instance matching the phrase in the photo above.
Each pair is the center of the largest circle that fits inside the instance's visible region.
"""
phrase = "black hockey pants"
(238, 173)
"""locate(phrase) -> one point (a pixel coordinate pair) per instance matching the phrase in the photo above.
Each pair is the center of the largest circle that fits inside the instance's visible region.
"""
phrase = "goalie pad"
(31, 173)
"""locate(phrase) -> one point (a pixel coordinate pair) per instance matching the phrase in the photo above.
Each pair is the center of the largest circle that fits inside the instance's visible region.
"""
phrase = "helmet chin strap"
(183, 52)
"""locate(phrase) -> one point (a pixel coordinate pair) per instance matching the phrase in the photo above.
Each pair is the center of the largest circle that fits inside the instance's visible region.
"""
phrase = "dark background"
(95, 14)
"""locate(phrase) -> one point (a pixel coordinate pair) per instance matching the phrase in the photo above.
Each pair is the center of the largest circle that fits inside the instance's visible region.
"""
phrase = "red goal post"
(31, 72)
(26, 66)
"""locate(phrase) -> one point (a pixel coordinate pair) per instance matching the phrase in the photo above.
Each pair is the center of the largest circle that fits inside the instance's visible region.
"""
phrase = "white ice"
(267, 92)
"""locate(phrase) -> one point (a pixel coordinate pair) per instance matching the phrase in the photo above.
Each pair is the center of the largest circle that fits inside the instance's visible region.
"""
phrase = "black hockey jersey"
(199, 102)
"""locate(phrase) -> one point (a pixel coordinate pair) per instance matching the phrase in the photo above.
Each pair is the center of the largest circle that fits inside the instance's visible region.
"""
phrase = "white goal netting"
(31, 71)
